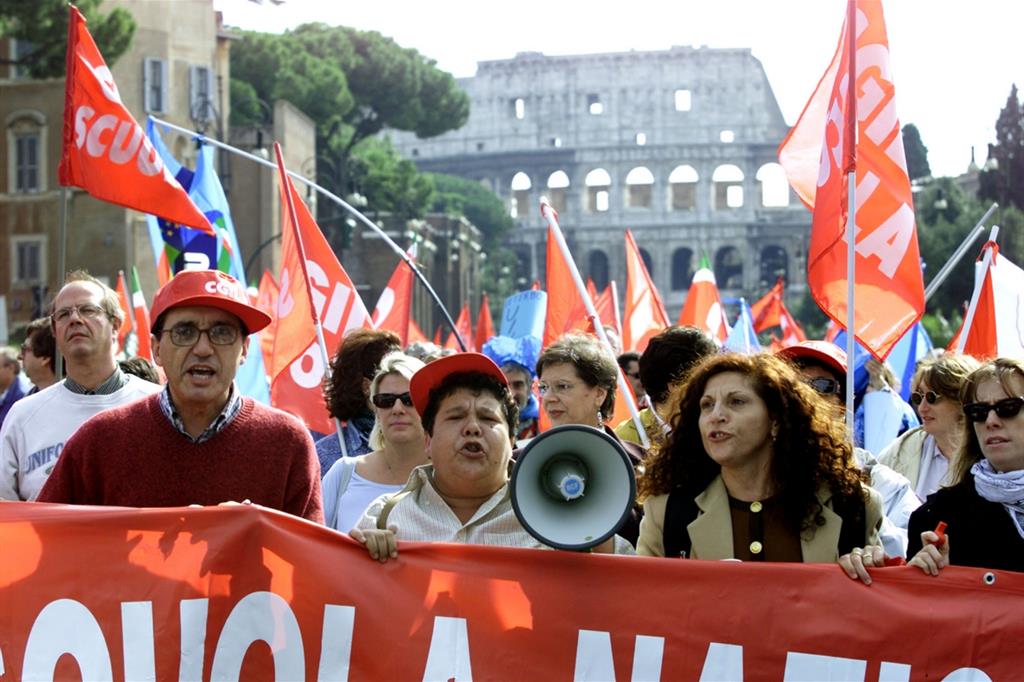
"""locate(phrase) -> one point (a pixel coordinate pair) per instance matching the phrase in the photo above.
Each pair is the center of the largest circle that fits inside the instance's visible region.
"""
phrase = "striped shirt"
(114, 383)
(226, 416)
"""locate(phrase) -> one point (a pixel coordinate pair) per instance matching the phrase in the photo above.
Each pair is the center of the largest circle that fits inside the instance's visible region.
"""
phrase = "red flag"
(416, 334)
(703, 306)
(266, 300)
(484, 323)
(142, 323)
(995, 330)
(770, 311)
(889, 290)
(326, 293)
(465, 326)
(604, 304)
(645, 314)
(566, 309)
(122, 298)
(395, 303)
(105, 151)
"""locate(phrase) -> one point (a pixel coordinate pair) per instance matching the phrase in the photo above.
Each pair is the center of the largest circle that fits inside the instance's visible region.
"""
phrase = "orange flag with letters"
(394, 306)
(850, 123)
(105, 151)
(297, 368)
(645, 314)
(703, 306)
(122, 298)
(484, 323)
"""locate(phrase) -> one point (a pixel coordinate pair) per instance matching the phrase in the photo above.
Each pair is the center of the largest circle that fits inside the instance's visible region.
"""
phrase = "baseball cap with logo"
(208, 288)
(433, 373)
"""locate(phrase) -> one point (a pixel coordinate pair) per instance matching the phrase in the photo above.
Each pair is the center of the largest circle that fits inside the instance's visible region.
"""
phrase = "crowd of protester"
(737, 456)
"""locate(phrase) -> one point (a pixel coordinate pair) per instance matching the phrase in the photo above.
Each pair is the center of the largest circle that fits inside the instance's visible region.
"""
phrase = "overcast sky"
(953, 61)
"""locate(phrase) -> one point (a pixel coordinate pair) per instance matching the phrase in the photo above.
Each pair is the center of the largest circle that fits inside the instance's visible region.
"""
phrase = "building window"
(641, 139)
(683, 100)
(682, 269)
(154, 86)
(19, 50)
(727, 136)
(200, 91)
(597, 269)
(26, 163)
(682, 182)
(479, 146)
(598, 183)
(558, 183)
(729, 268)
(727, 181)
(519, 108)
(556, 142)
(774, 264)
(594, 105)
(521, 186)
(28, 259)
(639, 187)
(774, 186)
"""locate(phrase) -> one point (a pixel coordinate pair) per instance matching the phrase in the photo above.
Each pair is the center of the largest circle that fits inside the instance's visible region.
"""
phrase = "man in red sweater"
(199, 441)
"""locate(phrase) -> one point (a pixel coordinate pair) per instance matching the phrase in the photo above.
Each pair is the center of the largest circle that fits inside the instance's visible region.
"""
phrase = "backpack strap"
(348, 467)
(389, 504)
(680, 510)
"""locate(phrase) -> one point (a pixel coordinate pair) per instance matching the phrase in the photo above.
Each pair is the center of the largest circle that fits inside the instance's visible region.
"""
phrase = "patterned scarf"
(1005, 489)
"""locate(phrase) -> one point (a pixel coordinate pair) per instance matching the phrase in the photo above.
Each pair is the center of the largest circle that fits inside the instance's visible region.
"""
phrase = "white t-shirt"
(38, 425)
(360, 493)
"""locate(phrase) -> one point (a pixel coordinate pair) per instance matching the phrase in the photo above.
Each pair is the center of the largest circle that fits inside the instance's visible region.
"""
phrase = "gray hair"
(393, 363)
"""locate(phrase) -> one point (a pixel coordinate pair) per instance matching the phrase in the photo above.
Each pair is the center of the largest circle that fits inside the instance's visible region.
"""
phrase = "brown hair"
(109, 300)
(358, 357)
(1000, 369)
(945, 374)
(593, 361)
(40, 339)
(810, 447)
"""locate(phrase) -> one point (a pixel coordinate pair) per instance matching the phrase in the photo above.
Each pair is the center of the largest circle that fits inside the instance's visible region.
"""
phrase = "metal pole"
(942, 274)
(62, 218)
(341, 202)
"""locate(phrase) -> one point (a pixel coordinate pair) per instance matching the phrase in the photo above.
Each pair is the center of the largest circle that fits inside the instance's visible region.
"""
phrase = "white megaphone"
(572, 487)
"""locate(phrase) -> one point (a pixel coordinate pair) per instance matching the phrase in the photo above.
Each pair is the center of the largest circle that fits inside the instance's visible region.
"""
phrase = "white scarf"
(1005, 489)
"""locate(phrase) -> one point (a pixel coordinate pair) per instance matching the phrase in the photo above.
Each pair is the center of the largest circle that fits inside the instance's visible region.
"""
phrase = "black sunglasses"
(824, 385)
(931, 396)
(386, 401)
(1005, 409)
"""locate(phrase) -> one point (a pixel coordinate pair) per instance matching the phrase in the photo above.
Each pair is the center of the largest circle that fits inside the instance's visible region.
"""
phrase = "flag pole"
(62, 250)
(339, 201)
(965, 245)
(551, 216)
(979, 282)
(321, 342)
(851, 211)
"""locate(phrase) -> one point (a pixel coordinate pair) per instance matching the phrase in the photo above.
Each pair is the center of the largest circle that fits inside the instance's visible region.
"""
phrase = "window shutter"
(147, 105)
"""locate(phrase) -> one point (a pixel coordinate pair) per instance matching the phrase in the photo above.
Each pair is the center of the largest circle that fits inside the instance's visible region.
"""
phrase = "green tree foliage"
(387, 180)
(1005, 182)
(917, 153)
(44, 24)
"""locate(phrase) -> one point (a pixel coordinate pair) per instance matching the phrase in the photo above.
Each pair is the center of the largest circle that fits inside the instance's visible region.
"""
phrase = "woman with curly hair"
(770, 478)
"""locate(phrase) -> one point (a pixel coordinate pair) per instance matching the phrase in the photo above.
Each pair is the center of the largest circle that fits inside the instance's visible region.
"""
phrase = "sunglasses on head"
(386, 401)
(931, 396)
(1005, 409)
(824, 385)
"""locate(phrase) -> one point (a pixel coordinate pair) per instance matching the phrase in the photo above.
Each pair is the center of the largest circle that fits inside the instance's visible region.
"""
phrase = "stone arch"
(682, 269)
(645, 256)
(774, 264)
(729, 268)
(727, 187)
(639, 187)
(597, 268)
(682, 188)
(557, 185)
(598, 183)
(773, 186)
(520, 186)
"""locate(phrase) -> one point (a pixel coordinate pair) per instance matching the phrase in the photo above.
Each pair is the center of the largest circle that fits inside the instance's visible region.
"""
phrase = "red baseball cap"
(825, 352)
(430, 376)
(211, 288)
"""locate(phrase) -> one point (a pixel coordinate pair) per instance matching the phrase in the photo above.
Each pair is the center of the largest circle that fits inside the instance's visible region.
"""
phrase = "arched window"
(771, 179)
(598, 184)
(26, 140)
(520, 195)
(774, 264)
(639, 185)
(727, 182)
(597, 268)
(648, 263)
(682, 182)
(682, 269)
(558, 183)
(729, 268)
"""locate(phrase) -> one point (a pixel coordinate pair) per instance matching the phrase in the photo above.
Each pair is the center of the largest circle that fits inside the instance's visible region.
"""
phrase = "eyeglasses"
(824, 385)
(557, 388)
(187, 334)
(1005, 409)
(633, 375)
(85, 311)
(386, 401)
(931, 396)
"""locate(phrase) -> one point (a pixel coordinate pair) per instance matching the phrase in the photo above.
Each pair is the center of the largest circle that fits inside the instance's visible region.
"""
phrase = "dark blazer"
(981, 533)
(14, 394)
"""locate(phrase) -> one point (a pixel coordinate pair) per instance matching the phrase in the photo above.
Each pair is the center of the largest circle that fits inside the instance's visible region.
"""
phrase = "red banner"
(245, 593)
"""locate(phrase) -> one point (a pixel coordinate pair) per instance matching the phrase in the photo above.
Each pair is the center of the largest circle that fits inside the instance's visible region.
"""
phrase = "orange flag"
(105, 151)
(995, 329)
(416, 334)
(484, 323)
(889, 290)
(604, 304)
(770, 311)
(566, 309)
(266, 300)
(395, 303)
(465, 326)
(297, 368)
(703, 307)
(645, 314)
(122, 298)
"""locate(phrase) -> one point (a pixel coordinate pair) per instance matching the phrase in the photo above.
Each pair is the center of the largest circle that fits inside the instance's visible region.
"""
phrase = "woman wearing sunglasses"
(924, 454)
(397, 442)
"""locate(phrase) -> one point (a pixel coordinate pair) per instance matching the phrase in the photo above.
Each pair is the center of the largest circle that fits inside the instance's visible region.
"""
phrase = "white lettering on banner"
(105, 79)
(384, 305)
(197, 260)
(193, 639)
(65, 626)
(594, 660)
(93, 144)
(340, 308)
(119, 153)
(812, 668)
(893, 672)
(889, 241)
(137, 640)
(831, 153)
(723, 663)
(312, 359)
(260, 616)
(336, 643)
(967, 675)
(88, 135)
(285, 301)
(448, 658)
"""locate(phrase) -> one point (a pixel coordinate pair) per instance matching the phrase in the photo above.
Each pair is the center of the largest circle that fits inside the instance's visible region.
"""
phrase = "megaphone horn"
(572, 487)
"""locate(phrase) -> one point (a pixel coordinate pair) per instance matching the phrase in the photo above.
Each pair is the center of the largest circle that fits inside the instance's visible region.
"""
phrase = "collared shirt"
(226, 416)
(424, 516)
(115, 382)
(934, 469)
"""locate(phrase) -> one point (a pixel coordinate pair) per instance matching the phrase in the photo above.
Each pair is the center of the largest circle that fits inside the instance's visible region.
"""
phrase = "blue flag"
(743, 338)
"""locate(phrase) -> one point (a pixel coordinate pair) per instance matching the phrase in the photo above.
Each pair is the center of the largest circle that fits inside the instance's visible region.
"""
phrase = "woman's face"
(941, 418)
(567, 399)
(735, 426)
(399, 423)
(1001, 439)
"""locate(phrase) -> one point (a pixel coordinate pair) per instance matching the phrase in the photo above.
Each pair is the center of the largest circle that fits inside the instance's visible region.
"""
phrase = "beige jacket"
(903, 455)
(711, 531)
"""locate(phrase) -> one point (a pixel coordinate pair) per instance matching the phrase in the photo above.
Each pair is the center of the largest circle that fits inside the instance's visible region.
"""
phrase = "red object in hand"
(894, 561)
(940, 530)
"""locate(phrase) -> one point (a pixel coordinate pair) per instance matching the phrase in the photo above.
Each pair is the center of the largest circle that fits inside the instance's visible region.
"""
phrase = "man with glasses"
(629, 363)
(199, 441)
(84, 318)
(10, 386)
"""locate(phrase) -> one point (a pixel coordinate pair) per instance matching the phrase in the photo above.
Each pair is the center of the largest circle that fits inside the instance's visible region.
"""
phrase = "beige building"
(177, 69)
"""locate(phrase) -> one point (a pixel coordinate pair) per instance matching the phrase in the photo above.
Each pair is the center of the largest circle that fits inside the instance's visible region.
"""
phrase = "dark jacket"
(14, 394)
(981, 533)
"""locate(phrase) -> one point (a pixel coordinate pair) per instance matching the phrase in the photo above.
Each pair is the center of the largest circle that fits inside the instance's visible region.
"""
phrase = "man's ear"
(426, 449)
(154, 343)
(245, 351)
